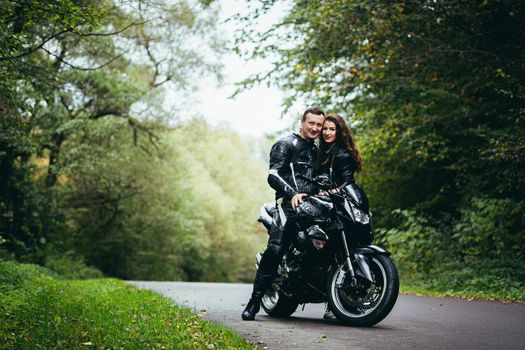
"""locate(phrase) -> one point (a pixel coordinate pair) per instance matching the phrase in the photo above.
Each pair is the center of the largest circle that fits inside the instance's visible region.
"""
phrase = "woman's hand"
(333, 190)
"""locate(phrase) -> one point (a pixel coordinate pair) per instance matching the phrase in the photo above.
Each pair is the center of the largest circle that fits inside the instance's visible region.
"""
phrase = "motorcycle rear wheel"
(366, 304)
(276, 304)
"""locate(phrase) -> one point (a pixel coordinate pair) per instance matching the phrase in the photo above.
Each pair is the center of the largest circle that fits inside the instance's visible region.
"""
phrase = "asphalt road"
(415, 322)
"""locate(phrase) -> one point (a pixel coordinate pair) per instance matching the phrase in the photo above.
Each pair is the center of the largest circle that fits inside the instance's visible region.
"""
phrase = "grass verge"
(38, 311)
(440, 292)
(467, 283)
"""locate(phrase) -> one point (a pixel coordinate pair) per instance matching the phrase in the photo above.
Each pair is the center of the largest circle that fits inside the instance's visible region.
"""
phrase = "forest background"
(98, 176)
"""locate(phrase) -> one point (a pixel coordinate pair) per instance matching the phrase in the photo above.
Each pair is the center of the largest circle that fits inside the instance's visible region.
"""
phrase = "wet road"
(415, 322)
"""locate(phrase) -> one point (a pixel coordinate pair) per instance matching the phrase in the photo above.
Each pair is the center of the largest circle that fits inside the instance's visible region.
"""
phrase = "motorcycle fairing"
(357, 196)
(356, 213)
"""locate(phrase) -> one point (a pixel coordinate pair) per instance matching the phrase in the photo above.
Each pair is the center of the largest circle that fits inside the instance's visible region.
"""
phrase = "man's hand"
(297, 199)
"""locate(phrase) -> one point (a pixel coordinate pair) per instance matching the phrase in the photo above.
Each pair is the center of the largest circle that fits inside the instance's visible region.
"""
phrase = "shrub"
(68, 266)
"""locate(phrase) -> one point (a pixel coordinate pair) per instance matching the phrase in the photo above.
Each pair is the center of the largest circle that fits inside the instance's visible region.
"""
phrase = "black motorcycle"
(331, 259)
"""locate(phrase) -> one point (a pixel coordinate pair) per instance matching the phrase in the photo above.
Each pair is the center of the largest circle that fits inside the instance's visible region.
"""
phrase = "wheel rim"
(342, 296)
(270, 298)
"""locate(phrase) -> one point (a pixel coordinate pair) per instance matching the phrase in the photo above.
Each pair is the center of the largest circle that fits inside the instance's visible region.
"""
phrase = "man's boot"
(328, 314)
(260, 285)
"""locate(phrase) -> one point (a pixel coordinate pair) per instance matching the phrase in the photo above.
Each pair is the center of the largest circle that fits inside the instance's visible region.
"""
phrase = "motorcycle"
(332, 259)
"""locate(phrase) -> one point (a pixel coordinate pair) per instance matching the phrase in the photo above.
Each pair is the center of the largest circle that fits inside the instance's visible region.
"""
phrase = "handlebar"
(322, 181)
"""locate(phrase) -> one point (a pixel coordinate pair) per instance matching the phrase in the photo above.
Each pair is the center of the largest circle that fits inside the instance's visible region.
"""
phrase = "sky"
(255, 112)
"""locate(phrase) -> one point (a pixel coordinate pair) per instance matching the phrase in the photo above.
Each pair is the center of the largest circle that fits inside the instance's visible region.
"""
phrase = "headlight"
(317, 236)
(318, 244)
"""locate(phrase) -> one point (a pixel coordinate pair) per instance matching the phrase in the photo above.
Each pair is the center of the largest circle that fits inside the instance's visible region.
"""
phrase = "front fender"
(370, 250)
(362, 255)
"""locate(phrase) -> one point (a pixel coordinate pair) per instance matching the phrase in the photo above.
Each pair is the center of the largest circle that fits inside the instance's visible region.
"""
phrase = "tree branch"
(61, 59)
(120, 31)
(34, 48)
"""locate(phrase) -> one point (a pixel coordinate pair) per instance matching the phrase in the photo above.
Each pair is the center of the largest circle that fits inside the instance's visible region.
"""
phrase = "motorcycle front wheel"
(365, 303)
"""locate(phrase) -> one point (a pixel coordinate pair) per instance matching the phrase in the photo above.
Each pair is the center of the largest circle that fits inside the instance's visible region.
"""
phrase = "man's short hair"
(312, 110)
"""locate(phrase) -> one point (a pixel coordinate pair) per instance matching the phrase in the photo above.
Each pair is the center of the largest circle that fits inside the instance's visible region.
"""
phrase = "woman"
(339, 158)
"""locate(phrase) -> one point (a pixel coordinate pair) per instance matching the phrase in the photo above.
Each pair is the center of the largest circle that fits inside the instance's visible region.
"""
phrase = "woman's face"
(329, 131)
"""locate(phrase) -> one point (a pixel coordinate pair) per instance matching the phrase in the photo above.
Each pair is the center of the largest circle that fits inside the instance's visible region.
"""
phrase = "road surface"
(415, 322)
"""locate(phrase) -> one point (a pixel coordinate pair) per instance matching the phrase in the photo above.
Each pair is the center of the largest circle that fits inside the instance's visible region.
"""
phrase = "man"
(291, 158)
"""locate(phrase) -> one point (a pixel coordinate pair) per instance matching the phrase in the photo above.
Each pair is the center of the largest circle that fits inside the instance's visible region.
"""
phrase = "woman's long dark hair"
(343, 139)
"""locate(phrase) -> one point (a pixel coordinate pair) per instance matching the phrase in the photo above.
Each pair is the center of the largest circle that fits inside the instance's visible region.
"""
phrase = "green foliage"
(18, 276)
(488, 279)
(89, 172)
(173, 211)
(417, 245)
(70, 266)
(491, 229)
(479, 257)
(228, 186)
(29, 24)
(38, 311)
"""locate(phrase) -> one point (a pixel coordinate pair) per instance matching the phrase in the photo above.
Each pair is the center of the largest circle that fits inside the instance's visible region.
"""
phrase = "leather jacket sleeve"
(280, 156)
(344, 167)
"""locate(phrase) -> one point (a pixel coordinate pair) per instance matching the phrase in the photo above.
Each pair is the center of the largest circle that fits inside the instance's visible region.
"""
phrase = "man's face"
(311, 126)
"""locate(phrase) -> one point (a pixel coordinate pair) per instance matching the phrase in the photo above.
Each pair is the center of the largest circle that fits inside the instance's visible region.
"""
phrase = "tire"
(367, 303)
(276, 304)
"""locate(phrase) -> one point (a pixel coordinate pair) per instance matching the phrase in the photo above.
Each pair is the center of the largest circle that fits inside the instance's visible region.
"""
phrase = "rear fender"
(264, 217)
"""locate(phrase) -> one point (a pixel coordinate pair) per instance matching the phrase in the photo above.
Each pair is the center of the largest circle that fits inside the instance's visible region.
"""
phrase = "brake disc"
(358, 296)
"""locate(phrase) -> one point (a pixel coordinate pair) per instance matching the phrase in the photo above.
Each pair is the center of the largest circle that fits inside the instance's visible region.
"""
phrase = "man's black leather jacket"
(291, 158)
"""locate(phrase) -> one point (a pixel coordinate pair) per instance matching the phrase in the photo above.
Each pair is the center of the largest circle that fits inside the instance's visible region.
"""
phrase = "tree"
(435, 93)
(26, 26)
(186, 215)
(68, 62)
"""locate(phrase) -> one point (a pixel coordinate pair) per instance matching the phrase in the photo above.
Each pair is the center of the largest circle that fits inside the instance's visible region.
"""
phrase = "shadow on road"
(319, 322)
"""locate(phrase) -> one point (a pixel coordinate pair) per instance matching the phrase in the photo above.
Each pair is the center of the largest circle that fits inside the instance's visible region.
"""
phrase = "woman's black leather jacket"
(340, 166)
(292, 158)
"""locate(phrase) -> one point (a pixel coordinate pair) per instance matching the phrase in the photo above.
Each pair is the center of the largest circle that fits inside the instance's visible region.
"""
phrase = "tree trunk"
(52, 170)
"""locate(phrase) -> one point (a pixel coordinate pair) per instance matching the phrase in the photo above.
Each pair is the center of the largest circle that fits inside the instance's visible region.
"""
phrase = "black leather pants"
(283, 226)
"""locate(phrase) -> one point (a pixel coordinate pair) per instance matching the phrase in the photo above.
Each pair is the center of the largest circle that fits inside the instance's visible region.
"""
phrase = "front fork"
(341, 277)
(361, 262)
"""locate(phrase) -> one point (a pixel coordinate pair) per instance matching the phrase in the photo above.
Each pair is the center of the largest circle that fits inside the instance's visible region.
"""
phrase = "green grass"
(38, 311)
(444, 292)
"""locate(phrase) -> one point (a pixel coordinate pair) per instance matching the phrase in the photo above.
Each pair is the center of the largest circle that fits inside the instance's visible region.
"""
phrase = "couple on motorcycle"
(293, 160)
